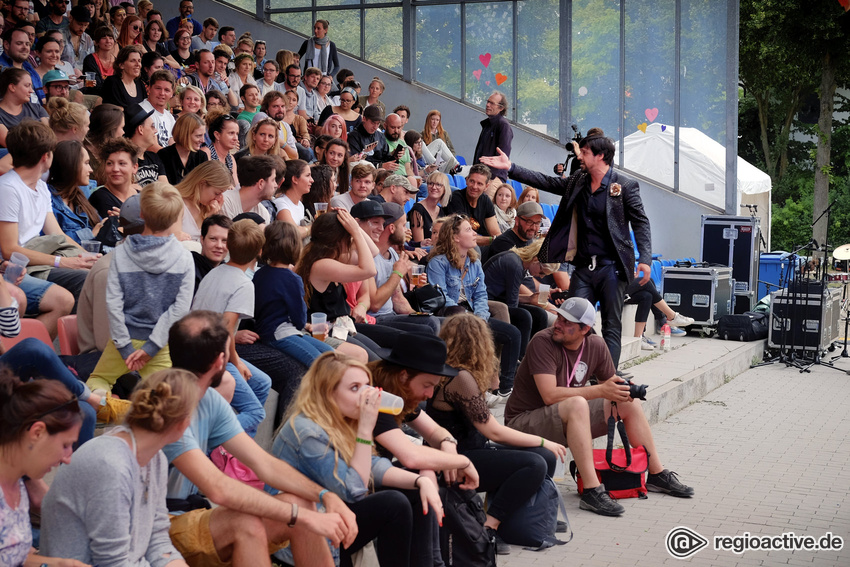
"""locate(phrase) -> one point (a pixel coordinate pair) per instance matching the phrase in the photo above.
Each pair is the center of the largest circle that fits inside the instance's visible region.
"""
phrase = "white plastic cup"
(390, 403)
(319, 323)
(543, 295)
(17, 265)
(91, 248)
(417, 275)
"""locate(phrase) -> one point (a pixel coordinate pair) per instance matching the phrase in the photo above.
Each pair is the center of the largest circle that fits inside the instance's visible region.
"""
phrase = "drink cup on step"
(319, 323)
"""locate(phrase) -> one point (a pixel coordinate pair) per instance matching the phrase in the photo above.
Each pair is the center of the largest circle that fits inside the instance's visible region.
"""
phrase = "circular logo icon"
(683, 542)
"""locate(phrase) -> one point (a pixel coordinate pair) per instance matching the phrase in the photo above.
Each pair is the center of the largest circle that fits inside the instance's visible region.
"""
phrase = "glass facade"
(620, 65)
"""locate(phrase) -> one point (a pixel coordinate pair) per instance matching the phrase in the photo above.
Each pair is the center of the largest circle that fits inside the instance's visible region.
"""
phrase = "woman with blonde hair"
(284, 59)
(185, 153)
(192, 101)
(505, 201)
(327, 436)
(512, 464)
(262, 139)
(202, 191)
(68, 120)
(108, 505)
(376, 89)
(455, 267)
(425, 212)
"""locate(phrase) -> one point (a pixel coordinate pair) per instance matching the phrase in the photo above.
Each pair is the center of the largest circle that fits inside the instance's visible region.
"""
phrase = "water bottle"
(665, 339)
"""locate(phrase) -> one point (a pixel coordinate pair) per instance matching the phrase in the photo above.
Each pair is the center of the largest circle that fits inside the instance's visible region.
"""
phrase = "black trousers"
(386, 516)
(605, 285)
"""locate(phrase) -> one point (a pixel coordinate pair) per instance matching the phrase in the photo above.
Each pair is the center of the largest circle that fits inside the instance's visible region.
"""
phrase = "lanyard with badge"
(571, 379)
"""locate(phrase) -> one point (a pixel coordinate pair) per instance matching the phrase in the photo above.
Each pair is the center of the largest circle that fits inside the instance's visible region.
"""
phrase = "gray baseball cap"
(529, 209)
(400, 181)
(578, 310)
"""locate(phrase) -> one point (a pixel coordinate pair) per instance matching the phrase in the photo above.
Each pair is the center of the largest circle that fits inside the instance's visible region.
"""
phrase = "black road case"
(734, 242)
(806, 322)
(702, 293)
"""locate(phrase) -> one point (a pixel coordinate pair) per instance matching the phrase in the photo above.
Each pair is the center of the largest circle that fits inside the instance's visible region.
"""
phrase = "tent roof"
(702, 163)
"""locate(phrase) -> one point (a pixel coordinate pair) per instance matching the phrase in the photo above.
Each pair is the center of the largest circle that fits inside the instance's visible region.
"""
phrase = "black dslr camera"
(636, 392)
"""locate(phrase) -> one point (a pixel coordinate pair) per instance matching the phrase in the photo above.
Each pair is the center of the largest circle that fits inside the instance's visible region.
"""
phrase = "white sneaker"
(645, 344)
(492, 399)
(680, 321)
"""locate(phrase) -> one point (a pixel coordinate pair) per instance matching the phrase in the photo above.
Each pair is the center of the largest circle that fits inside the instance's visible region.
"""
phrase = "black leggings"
(645, 297)
(387, 517)
(510, 476)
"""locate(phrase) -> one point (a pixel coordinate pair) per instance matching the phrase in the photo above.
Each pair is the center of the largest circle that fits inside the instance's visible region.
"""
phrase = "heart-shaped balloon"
(487, 83)
(485, 59)
(642, 127)
(477, 74)
(500, 78)
(663, 127)
(651, 114)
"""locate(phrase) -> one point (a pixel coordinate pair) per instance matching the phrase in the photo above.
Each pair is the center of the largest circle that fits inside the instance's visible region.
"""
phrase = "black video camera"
(560, 168)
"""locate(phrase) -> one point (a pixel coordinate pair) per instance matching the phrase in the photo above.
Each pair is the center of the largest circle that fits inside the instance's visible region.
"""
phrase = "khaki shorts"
(546, 422)
(190, 534)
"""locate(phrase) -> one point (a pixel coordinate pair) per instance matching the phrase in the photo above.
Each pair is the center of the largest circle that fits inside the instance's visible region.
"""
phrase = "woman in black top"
(339, 253)
(183, 55)
(125, 87)
(101, 61)
(154, 40)
(185, 153)
(423, 214)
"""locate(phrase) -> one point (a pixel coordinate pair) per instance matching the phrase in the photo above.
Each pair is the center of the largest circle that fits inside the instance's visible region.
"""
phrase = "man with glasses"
(56, 85)
(529, 217)
(204, 40)
(78, 43)
(293, 78)
(19, 13)
(55, 19)
(187, 8)
(495, 132)
(227, 36)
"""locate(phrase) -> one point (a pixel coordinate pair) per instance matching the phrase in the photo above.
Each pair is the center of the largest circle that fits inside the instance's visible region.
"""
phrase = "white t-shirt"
(226, 289)
(164, 122)
(20, 204)
(232, 206)
(345, 201)
(297, 211)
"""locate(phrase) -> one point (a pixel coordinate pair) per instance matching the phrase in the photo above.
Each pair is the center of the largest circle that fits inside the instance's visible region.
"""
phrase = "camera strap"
(627, 448)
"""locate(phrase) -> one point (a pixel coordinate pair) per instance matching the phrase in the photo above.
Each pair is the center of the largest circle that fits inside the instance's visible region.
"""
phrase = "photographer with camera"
(572, 163)
(564, 390)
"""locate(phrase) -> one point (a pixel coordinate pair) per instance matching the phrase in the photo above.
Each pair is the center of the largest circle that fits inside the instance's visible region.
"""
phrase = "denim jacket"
(306, 447)
(74, 224)
(442, 273)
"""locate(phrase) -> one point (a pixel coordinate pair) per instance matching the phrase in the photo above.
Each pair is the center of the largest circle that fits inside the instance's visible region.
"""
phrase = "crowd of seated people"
(225, 220)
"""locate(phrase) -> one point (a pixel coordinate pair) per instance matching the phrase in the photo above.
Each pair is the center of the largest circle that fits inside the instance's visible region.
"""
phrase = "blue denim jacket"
(75, 225)
(442, 273)
(306, 447)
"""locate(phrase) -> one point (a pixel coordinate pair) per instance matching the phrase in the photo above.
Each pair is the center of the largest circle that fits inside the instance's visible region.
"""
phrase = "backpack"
(749, 326)
(534, 524)
(463, 539)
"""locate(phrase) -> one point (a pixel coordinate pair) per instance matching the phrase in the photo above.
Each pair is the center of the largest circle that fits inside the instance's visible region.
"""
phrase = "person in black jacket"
(591, 229)
(496, 132)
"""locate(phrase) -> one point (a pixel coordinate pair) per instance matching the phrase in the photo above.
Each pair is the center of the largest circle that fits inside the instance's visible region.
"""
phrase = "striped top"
(10, 321)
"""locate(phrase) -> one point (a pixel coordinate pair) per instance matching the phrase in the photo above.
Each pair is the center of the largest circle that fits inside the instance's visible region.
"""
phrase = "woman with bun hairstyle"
(68, 120)
(39, 423)
(108, 506)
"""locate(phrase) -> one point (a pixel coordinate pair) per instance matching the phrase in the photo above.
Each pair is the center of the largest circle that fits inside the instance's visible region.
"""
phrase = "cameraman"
(573, 163)
(554, 397)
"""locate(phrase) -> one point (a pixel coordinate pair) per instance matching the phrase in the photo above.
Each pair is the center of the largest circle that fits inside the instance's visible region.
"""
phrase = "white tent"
(702, 169)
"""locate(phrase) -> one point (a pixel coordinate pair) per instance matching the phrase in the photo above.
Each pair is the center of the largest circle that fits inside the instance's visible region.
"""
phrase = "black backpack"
(463, 539)
(749, 326)
(534, 524)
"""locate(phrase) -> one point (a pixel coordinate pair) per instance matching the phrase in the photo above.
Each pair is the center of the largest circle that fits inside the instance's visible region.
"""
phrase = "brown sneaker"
(114, 410)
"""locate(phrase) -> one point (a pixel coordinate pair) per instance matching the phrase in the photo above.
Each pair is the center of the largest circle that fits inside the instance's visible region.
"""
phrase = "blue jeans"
(34, 288)
(303, 348)
(31, 358)
(250, 396)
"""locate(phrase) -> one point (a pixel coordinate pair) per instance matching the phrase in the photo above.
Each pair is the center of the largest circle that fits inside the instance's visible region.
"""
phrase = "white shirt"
(164, 122)
(232, 206)
(345, 201)
(297, 211)
(20, 204)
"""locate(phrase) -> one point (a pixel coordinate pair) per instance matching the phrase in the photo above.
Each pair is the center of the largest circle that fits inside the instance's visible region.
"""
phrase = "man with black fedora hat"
(554, 396)
(140, 129)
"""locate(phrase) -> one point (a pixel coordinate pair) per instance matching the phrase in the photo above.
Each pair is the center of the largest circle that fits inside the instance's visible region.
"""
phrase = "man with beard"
(293, 78)
(247, 524)
(274, 107)
(204, 78)
(384, 223)
(604, 203)
(396, 189)
(398, 149)
(55, 19)
(258, 178)
(187, 8)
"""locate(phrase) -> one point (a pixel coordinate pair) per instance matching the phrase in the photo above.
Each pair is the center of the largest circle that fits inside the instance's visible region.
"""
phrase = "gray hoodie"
(150, 285)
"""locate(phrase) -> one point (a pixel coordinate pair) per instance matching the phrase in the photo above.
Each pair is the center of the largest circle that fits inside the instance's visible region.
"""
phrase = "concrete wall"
(675, 220)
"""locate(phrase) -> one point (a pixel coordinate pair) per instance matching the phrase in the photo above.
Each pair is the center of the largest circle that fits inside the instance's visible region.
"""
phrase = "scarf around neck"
(319, 60)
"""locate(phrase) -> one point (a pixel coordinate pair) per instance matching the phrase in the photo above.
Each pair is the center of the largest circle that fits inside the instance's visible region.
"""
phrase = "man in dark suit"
(591, 229)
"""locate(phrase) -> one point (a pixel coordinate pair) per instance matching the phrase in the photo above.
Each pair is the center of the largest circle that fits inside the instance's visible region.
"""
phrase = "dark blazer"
(622, 211)
(496, 132)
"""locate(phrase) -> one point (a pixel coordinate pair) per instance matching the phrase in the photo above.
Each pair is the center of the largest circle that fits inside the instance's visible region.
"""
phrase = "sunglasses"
(70, 404)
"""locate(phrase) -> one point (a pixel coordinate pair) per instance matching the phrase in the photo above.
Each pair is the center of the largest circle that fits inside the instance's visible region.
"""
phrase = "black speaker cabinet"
(702, 293)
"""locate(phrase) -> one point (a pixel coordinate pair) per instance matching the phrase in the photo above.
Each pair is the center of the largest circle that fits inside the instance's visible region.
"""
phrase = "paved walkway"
(767, 453)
